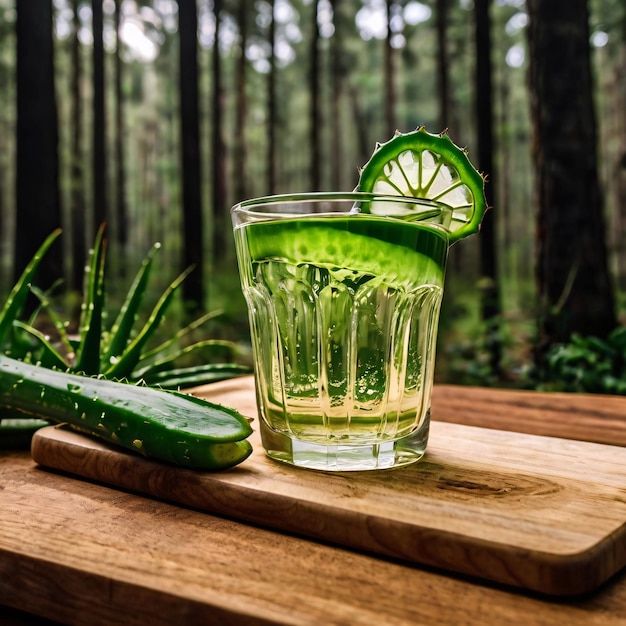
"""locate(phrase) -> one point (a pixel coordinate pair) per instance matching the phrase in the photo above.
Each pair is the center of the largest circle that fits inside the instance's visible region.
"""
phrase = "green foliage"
(15, 303)
(466, 357)
(585, 364)
(123, 351)
(462, 353)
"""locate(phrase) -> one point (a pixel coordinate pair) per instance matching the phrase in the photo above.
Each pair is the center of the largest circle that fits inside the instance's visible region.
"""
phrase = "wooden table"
(79, 552)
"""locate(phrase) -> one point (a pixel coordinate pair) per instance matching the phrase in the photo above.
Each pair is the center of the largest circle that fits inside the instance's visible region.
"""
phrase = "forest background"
(156, 116)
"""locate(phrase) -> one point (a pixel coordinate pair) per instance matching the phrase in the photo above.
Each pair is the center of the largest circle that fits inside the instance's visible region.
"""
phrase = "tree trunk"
(220, 201)
(193, 287)
(443, 74)
(99, 121)
(77, 172)
(390, 77)
(120, 188)
(572, 274)
(271, 107)
(37, 190)
(361, 124)
(5, 214)
(240, 149)
(618, 166)
(335, 95)
(490, 295)
(314, 89)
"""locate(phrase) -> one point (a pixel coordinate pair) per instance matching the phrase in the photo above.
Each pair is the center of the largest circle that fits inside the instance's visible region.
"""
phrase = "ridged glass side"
(341, 359)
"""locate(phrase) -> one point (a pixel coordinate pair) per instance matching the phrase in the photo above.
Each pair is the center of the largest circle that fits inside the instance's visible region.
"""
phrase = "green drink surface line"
(402, 254)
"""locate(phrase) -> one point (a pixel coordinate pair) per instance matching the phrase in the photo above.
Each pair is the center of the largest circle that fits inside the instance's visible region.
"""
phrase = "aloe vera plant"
(123, 351)
(60, 384)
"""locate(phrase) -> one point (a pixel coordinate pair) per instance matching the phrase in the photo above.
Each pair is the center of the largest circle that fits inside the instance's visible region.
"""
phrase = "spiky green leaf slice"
(15, 302)
(422, 165)
(88, 355)
(123, 367)
(121, 332)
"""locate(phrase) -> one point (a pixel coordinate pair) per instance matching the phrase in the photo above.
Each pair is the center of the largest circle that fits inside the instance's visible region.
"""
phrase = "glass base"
(345, 458)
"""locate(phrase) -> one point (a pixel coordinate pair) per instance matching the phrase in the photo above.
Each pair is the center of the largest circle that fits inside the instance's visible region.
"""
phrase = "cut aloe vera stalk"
(162, 425)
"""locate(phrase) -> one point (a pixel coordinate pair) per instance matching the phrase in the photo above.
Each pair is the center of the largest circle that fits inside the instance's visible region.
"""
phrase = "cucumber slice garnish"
(422, 165)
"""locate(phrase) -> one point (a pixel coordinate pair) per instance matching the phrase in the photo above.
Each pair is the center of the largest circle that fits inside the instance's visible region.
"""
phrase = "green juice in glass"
(343, 309)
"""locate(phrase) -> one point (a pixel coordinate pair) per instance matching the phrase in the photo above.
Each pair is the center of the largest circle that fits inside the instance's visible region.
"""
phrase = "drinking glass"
(343, 306)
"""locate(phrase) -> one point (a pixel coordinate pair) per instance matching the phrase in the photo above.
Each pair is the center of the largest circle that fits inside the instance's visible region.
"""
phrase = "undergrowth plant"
(123, 350)
(584, 364)
(86, 381)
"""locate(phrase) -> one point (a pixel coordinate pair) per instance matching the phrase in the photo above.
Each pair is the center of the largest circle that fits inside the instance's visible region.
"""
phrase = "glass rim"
(330, 196)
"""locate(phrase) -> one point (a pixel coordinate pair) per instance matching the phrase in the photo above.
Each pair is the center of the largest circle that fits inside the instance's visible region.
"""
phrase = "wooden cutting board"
(540, 513)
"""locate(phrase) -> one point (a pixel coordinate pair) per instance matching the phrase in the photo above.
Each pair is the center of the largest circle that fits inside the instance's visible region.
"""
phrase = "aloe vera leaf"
(17, 297)
(179, 335)
(208, 346)
(186, 377)
(88, 355)
(123, 325)
(59, 325)
(24, 345)
(168, 364)
(126, 363)
(163, 425)
(17, 432)
(49, 355)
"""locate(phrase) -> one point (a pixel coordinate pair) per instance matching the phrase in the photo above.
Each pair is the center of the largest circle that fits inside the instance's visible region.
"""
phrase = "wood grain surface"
(584, 417)
(85, 554)
(542, 513)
